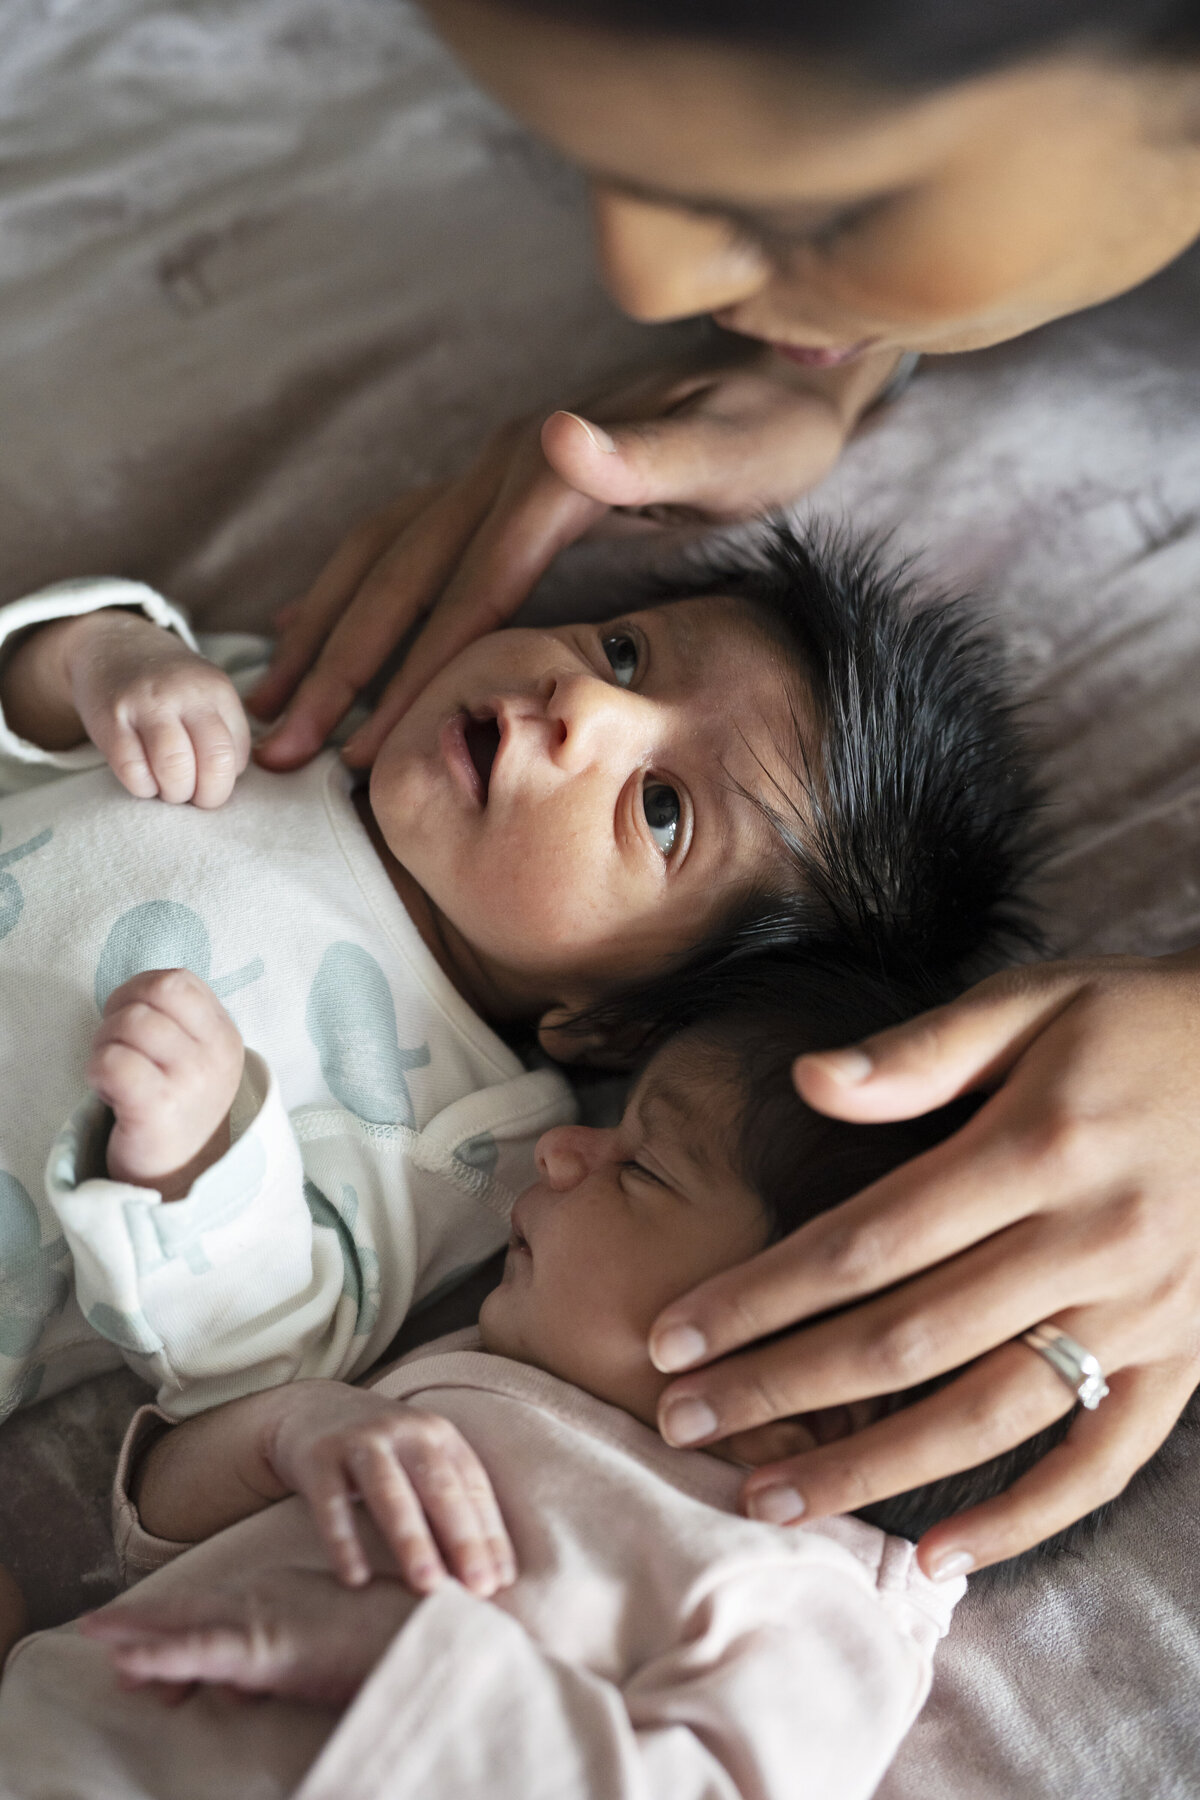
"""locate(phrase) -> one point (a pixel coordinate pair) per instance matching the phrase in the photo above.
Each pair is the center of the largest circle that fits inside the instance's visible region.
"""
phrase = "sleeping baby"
(615, 1627)
(295, 1006)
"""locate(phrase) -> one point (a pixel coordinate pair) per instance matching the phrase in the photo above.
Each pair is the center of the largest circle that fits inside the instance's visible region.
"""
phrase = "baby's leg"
(295, 1633)
(14, 1620)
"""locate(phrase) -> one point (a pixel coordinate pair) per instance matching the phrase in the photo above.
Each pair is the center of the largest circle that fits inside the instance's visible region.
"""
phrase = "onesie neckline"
(396, 924)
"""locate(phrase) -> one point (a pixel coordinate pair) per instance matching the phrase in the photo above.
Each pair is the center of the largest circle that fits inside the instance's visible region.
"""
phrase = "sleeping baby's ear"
(568, 1042)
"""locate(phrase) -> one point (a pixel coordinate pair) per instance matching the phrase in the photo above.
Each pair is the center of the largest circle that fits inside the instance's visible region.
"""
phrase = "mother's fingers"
(906, 1336)
(533, 517)
(923, 1213)
(1100, 1454)
(402, 584)
(996, 1404)
(304, 625)
(948, 1051)
(732, 445)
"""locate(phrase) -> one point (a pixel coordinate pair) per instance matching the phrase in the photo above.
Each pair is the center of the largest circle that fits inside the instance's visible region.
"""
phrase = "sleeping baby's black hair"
(801, 1164)
(910, 835)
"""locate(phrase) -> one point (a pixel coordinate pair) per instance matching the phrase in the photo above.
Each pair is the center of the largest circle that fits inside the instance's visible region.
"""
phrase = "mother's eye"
(622, 653)
(660, 804)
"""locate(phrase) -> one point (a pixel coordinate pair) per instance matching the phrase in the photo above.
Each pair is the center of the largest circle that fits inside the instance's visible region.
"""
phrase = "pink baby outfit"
(656, 1645)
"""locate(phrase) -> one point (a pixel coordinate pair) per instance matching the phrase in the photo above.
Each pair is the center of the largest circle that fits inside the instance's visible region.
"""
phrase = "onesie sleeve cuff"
(68, 600)
(139, 1552)
(181, 1287)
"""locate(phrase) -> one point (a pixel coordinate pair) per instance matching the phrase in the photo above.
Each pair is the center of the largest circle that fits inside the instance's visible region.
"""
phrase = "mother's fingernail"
(599, 437)
(686, 1421)
(778, 1505)
(678, 1347)
(847, 1067)
(954, 1562)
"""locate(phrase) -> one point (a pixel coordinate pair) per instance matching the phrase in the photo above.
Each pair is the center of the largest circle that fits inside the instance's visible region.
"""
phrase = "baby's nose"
(598, 723)
(565, 1155)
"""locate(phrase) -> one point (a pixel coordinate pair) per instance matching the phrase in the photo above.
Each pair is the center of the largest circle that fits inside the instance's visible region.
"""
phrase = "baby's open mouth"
(482, 736)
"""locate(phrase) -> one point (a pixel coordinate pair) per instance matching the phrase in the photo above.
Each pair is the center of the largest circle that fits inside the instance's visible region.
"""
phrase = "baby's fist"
(168, 1060)
(170, 723)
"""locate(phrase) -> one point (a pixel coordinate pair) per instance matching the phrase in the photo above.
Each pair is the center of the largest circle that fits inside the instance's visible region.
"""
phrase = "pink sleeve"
(787, 1679)
(138, 1552)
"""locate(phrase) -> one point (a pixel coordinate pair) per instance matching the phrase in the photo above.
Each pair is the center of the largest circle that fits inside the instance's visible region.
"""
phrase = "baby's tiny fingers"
(171, 757)
(452, 1513)
(219, 758)
(388, 1496)
(211, 1654)
(333, 1509)
(127, 760)
(492, 1528)
(125, 1079)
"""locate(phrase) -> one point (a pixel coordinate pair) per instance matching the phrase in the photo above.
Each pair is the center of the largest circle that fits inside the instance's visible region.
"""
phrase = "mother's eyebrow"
(798, 216)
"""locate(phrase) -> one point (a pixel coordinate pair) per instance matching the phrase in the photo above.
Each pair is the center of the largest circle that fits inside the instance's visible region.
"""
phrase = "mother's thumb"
(723, 459)
(910, 1069)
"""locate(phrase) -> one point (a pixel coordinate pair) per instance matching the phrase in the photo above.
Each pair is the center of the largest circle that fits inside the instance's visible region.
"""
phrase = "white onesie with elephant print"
(382, 1129)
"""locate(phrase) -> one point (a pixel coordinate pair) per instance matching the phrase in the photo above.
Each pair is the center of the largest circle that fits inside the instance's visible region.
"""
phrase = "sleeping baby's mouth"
(516, 1237)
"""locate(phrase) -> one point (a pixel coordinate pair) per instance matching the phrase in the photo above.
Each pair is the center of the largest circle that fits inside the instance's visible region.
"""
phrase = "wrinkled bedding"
(267, 261)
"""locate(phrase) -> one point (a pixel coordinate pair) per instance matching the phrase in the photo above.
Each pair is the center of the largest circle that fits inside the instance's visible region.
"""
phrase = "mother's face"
(828, 217)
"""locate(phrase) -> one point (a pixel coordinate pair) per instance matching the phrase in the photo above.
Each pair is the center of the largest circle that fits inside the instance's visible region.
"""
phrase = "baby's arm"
(417, 1477)
(168, 722)
(292, 1633)
(783, 1679)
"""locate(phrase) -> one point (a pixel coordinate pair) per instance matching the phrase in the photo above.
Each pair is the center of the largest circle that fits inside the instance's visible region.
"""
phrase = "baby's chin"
(624, 1376)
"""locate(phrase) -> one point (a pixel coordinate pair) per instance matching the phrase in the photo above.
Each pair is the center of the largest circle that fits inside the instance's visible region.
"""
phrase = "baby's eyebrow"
(679, 1124)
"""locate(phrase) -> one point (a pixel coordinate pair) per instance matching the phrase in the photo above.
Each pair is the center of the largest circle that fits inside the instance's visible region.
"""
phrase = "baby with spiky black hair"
(568, 830)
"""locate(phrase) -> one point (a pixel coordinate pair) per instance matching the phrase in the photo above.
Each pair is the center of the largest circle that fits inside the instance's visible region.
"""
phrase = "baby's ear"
(567, 1044)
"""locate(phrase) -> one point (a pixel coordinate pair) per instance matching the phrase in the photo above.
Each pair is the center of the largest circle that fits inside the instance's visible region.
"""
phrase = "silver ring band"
(1071, 1363)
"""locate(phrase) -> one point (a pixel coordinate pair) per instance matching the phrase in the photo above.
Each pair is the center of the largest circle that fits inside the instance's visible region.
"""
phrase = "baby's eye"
(660, 804)
(622, 653)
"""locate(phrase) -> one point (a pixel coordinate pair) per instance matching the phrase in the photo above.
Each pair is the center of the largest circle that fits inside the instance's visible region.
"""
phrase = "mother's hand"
(715, 443)
(1073, 1196)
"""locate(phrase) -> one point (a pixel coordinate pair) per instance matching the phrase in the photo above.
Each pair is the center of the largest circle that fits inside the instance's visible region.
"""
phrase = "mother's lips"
(824, 356)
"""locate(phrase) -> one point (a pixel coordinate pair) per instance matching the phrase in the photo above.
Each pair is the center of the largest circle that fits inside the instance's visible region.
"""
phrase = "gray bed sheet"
(267, 261)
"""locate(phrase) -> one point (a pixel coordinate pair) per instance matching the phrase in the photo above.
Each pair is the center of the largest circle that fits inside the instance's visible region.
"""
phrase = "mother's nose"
(661, 262)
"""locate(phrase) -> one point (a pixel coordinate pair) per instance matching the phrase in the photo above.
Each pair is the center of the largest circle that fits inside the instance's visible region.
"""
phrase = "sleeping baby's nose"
(566, 1154)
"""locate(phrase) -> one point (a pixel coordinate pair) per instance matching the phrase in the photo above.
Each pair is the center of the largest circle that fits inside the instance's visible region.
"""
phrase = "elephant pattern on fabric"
(164, 934)
(362, 1279)
(33, 1286)
(481, 1153)
(351, 1020)
(12, 899)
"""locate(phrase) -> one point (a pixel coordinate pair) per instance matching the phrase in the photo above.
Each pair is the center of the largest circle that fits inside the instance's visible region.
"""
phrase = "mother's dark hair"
(902, 42)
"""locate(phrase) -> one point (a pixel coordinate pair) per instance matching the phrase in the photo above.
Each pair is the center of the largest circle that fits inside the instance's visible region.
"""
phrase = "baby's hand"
(169, 723)
(419, 1479)
(168, 1060)
(289, 1632)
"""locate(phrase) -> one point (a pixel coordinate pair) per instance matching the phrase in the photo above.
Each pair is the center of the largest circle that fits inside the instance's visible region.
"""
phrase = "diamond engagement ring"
(1070, 1362)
